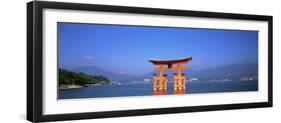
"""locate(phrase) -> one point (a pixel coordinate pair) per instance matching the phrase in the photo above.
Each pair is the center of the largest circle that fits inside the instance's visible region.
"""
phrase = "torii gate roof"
(171, 61)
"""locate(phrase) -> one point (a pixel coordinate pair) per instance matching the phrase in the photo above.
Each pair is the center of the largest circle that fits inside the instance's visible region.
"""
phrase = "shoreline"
(64, 87)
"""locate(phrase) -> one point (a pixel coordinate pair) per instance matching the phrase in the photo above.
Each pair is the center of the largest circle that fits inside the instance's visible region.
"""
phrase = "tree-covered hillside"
(67, 77)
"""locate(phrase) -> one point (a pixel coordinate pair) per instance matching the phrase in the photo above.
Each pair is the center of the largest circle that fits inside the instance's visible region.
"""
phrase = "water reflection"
(160, 92)
(180, 91)
(165, 92)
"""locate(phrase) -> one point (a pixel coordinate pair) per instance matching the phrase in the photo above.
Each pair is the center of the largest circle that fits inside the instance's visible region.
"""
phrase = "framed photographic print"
(95, 61)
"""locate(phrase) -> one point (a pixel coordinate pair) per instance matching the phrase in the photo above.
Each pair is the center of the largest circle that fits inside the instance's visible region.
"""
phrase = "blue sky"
(127, 49)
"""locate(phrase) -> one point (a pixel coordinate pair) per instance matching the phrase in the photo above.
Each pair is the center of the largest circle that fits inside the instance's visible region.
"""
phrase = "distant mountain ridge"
(218, 72)
(232, 70)
(92, 70)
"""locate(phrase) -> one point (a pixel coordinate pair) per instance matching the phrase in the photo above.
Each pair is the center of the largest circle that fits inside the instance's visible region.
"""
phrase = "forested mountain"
(67, 77)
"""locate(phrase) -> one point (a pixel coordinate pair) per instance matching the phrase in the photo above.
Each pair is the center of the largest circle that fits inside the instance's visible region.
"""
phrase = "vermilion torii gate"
(160, 82)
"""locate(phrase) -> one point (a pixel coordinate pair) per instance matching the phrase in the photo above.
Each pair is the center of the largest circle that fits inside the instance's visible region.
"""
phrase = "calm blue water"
(142, 89)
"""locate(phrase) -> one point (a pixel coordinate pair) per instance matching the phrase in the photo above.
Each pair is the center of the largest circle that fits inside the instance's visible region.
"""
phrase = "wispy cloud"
(88, 57)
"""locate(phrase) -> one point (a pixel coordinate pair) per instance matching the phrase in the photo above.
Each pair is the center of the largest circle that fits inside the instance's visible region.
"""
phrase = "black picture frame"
(35, 69)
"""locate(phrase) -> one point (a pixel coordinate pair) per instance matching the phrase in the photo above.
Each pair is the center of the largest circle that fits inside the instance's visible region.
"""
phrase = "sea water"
(143, 89)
